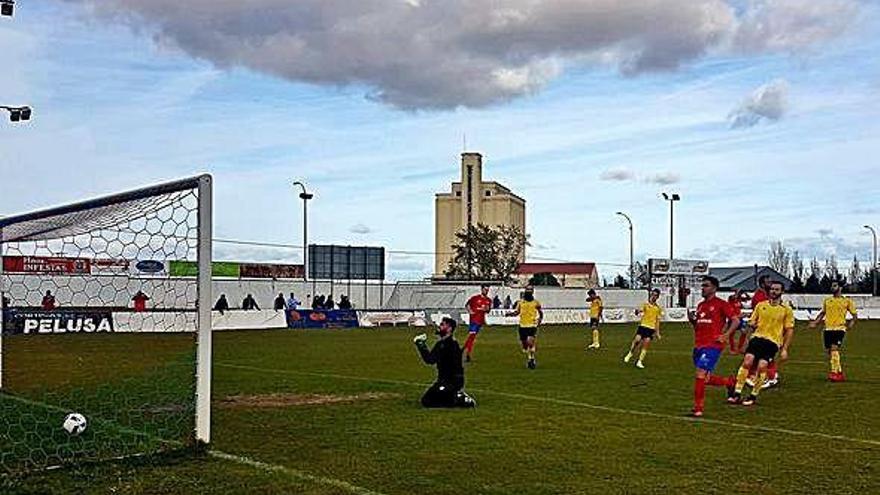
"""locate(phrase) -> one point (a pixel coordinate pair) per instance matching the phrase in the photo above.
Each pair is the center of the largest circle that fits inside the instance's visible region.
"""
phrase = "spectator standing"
(48, 303)
(329, 304)
(496, 302)
(222, 304)
(250, 304)
(293, 303)
(140, 302)
(279, 303)
(507, 302)
(344, 302)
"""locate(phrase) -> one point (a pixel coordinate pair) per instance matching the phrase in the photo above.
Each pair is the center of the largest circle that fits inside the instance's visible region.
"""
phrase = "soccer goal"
(105, 335)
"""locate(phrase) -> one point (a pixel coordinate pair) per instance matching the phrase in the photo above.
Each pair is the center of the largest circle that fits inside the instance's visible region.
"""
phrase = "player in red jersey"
(760, 295)
(477, 306)
(714, 321)
(736, 300)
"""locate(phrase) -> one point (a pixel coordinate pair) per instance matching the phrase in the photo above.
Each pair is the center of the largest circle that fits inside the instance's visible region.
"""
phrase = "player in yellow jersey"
(834, 310)
(530, 316)
(596, 307)
(773, 326)
(649, 328)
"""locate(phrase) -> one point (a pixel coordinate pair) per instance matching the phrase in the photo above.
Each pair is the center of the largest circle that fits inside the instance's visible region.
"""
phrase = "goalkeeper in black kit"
(446, 354)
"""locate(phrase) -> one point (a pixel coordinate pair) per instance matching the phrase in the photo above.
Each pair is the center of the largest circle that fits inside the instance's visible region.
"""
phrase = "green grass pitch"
(583, 422)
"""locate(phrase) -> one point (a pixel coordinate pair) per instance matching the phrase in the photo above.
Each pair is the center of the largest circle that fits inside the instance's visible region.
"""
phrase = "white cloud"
(663, 178)
(360, 229)
(618, 174)
(441, 54)
(791, 25)
(627, 175)
(821, 247)
(768, 102)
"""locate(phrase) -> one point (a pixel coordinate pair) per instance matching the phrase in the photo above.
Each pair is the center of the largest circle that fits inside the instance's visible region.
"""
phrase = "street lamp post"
(305, 196)
(17, 114)
(672, 198)
(631, 254)
(874, 265)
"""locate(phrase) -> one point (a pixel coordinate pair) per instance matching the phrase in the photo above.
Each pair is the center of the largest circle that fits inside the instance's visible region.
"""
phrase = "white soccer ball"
(75, 423)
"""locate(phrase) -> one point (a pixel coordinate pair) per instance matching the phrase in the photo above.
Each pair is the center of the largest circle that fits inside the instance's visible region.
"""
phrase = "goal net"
(106, 314)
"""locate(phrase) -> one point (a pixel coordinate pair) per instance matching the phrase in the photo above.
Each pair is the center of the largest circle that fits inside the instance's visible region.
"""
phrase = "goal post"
(106, 312)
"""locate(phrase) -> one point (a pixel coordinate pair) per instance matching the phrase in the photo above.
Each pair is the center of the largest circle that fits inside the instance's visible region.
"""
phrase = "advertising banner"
(111, 267)
(191, 269)
(392, 318)
(678, 267)
(45, 264)
(51, 322)
(267, 270)
(334, 318)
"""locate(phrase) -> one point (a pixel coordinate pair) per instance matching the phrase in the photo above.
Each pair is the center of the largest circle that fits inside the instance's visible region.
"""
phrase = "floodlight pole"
(631, 254)
(874, 265)
(672, 198)
(305, 196)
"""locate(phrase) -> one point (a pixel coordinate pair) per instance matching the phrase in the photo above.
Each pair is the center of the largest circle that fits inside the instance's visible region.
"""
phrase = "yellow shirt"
(651, 316)
(771, 321)
(528, 313)
(835, 312)
(595, 307)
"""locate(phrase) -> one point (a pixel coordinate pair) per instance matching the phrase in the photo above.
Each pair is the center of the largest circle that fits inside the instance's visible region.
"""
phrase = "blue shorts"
(474, 328)
(706, 358)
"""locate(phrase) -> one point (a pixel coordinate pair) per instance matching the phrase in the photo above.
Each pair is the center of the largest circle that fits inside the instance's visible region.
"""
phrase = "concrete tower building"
(471, 202)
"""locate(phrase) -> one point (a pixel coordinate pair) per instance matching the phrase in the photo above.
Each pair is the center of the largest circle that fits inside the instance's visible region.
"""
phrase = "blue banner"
(318, 318)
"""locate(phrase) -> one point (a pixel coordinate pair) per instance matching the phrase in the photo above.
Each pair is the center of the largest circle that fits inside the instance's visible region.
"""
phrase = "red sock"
(469, 343)
(733, 347)
(771, 371)
(699, 393)
(720, 381)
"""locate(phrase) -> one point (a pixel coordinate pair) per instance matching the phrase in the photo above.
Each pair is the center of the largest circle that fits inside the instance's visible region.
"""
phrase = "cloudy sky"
(763, 114)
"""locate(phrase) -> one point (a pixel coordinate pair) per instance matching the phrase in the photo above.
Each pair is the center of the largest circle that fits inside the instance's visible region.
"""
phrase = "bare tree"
(797, 266)
(831, 269)
(779, 258)
(815, 269)
(640, 275)
(855, 271)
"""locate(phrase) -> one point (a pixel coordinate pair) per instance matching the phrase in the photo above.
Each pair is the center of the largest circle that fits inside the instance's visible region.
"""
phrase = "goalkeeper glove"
(420, 339)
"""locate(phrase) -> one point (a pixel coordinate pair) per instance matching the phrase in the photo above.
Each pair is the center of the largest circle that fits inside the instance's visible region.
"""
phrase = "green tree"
(621, 282)
(544, 280)
(482, 252)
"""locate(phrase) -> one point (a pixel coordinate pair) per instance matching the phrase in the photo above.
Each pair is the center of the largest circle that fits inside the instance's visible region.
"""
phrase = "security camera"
(7, 7)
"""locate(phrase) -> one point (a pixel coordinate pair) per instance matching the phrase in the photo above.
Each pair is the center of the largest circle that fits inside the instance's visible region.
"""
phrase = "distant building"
(580, 275)
(746, 277)
(470, 202)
